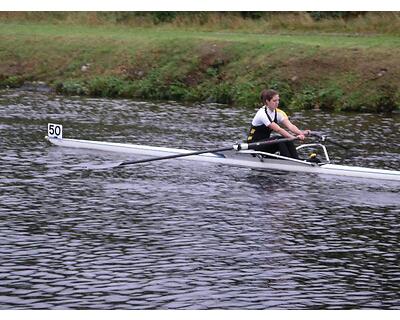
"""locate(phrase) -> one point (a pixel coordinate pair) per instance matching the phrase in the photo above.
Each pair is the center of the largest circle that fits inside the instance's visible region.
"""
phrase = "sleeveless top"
(262, 132)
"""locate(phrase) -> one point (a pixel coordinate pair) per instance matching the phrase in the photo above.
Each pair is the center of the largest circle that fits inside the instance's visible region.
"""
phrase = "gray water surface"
(183, 235)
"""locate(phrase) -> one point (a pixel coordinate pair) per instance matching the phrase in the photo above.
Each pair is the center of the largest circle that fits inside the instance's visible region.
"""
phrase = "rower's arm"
(292, 128)
(280, 130)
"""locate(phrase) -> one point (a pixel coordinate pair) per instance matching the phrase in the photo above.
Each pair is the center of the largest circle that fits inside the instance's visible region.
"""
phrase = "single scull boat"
(238, 155)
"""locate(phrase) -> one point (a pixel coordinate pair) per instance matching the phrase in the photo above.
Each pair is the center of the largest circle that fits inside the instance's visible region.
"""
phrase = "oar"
(239, 146)
(325, 138)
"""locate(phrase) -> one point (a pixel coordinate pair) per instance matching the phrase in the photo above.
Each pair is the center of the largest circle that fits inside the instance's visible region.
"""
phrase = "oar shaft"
(239, 146)
(253, 145)
(173, 156)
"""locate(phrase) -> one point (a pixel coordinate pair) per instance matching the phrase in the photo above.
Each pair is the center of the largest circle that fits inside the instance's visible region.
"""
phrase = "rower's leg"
(268, 148)
(287, 149)
(283, 150)
(292, 150)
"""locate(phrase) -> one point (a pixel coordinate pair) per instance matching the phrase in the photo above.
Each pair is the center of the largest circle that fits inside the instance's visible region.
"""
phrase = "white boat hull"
(235, 158)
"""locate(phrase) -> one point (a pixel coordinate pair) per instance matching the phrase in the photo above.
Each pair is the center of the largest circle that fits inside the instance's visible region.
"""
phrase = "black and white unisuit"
(259, 126)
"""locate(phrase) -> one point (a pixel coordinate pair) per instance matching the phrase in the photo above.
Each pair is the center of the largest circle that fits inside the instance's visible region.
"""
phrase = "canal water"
(182, 235)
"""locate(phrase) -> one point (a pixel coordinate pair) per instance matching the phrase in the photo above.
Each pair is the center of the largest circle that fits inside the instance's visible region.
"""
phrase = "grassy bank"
(358, 72)
(255, 22)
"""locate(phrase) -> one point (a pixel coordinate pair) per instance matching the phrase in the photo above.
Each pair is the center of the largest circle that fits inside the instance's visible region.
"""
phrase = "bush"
(285, 92)
(12, 82)
(329, 98)
(178, 91)
(255, 15)
(71, 87)
(384, 99)
(306, 99)
(387, 98)
(246, 94)
(106, 87)
(320, 15)
(221, 93)
(163, 16)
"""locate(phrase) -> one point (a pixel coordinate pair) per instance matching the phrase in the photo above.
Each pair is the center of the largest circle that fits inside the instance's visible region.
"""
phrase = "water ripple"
(174, 236)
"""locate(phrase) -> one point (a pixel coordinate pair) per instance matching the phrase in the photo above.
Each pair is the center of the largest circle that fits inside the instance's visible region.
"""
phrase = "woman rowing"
(269, 119)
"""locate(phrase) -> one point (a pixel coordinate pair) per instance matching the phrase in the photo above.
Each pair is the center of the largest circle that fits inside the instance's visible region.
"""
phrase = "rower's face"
(274, 102)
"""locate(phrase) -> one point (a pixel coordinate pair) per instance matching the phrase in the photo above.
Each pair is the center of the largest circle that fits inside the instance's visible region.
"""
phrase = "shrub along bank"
(311, 71)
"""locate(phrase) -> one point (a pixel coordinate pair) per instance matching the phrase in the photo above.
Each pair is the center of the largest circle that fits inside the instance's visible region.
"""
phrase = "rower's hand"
(301, 137)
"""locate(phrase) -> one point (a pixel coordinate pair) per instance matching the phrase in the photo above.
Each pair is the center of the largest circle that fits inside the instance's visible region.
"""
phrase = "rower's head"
(270, 98)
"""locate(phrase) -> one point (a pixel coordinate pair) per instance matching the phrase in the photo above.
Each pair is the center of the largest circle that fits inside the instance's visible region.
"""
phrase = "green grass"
(140, 35)
(329, 71)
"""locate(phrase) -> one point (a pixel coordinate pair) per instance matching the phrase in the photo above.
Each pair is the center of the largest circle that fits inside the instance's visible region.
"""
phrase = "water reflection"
(177, 235)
